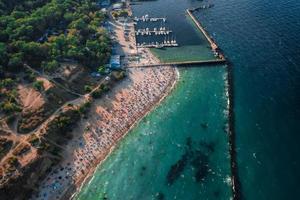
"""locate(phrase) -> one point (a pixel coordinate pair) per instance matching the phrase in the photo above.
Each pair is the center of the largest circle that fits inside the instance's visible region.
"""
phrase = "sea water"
(261, 38)
(179, 151)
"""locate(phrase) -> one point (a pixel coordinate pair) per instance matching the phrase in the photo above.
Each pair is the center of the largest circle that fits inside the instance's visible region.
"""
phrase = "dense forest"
(43, 33)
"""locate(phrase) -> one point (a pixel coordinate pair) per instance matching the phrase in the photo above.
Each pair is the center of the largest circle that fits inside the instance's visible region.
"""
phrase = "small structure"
(95, 74)
(115, 62)
(117, 6)
(104, 10)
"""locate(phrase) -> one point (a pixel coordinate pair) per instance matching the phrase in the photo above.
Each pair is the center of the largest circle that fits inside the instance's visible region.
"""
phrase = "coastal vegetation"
(48, 51)
(43, 34)
(119, 13)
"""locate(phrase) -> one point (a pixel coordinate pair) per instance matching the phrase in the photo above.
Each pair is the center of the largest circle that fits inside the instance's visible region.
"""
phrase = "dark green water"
(188, 129)
(193, 46)
(261, 38)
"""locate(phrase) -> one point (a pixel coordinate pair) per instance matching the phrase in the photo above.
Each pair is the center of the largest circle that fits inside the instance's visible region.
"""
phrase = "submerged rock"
(208, 146)
(177, 169)
(204, 125)
(217, 194)
(200, 163)
(194, 157)
(189, 143)
(160, 196)
(143, 169)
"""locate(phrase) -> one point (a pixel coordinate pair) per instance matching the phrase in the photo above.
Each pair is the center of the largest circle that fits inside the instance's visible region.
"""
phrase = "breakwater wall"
(236, 186)
(212, 43)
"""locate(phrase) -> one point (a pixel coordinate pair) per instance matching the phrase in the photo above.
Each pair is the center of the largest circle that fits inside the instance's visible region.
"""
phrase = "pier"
(155, 31)
(157, 45)
(146, 18)
(183, 63)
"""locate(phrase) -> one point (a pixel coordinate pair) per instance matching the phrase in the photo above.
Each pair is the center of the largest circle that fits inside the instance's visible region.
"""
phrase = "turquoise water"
(261, 38)
(186, 131)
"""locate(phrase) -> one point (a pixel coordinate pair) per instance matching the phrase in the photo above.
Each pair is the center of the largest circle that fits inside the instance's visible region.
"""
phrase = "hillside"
(48, 50)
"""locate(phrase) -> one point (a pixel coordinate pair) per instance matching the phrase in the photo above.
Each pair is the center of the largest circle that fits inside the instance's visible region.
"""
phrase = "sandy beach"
(109, 119)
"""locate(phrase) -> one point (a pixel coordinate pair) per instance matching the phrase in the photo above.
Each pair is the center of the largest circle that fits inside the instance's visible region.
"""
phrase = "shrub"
(101, 70)
(87, 88)
(13, 161)
(6, 83)
(50, 66)
(119, 75)
(38, 85)
(84, 108)
(97, 93)
(9, 107)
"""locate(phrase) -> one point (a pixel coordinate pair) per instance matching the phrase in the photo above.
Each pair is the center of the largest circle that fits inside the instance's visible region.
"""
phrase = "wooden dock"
(182, 64)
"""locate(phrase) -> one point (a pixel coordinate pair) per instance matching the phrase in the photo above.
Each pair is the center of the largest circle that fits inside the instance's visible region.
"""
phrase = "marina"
(155, 31)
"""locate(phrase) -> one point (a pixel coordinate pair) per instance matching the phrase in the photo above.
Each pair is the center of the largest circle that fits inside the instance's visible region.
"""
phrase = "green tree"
(38, 85)
(15, 62)
(3, 54)
(87, 88)
(101, 70)
(50, 66)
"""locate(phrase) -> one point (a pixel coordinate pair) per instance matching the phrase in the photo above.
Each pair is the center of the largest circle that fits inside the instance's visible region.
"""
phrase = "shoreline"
(152, 107)
(158, 82)
(109, 120)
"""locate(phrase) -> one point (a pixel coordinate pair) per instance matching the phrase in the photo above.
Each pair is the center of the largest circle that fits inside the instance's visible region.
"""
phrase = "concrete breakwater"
(213, 45)
(236, 186)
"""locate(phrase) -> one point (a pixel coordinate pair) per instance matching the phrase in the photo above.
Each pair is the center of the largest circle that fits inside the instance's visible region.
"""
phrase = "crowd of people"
(110, 118)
